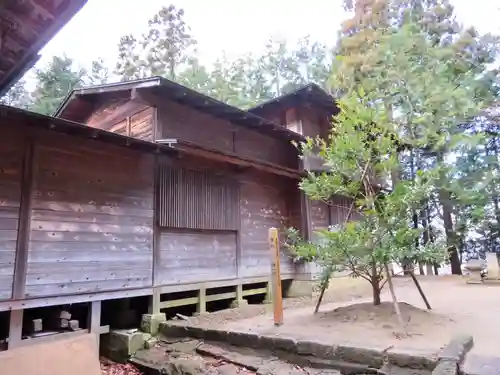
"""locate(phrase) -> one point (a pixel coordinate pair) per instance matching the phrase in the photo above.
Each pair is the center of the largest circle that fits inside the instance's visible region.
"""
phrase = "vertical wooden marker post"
(276, 294)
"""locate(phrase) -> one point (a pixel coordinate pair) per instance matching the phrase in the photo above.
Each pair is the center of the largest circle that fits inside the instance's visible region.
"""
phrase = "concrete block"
(74, 325)
(237, 303)
(122, 343)
(37, 325)
(301, 288)
(65, 315)
(316, 349)
(151, 343)
(150, 323)
(457, 348)
(446, 368)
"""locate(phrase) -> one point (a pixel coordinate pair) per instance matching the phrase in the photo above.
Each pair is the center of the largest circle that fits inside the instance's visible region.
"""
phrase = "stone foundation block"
(120, 344)
(239, 303)
(150, 323)
(301, 288)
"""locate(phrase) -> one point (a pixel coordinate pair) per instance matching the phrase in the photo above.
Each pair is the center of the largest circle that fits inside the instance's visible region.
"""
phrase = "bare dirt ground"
(347, 316)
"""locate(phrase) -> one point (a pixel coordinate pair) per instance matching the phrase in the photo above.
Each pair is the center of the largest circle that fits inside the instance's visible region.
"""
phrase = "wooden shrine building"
(149, 189)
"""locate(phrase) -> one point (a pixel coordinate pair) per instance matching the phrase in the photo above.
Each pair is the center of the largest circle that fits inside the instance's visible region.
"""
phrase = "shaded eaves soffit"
(26, 26)
(165, 88)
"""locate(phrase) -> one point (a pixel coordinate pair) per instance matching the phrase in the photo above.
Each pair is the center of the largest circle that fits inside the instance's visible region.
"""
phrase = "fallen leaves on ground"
(109, 367)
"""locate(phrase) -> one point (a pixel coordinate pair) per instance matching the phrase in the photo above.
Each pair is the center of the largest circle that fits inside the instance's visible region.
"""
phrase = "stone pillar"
(492, 264)
(303, 281)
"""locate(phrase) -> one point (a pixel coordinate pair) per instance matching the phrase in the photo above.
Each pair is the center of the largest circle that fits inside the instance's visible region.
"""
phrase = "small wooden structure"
(147, 188)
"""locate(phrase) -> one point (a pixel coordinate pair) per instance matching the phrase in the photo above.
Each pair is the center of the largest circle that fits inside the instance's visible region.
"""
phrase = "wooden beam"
(24, 221)
(70, 299)
(225, 157)
(253, 292)
(220, 296)
(305, 214)
(15, 328)
(94, 320)
(173, 288)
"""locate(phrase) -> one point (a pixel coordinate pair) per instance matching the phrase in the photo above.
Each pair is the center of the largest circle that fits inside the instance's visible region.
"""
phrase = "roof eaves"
(105, 88)
(310, 87)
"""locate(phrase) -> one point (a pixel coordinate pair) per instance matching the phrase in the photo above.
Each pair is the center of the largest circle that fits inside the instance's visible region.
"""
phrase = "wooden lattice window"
(197, 200)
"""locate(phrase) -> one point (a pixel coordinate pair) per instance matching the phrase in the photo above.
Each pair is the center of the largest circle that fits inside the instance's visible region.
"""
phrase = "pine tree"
(168, 42)
(54, 82)
(467, 56)
(99, 74)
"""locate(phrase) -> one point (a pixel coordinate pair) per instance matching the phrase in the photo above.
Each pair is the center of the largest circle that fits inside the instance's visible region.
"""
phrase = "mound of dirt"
(383, 314)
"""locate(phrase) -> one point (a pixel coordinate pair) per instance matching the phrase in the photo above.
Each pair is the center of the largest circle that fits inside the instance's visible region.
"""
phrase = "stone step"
(481, 365)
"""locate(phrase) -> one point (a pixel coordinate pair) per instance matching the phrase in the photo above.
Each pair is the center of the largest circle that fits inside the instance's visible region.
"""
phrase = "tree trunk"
(447, 207)
(375, 286)
(376, 294)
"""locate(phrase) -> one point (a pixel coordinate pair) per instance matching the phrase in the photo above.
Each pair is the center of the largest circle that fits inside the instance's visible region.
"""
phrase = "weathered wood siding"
(190, 256)
(182, 122)
(339, 209)
(319, 214)
(197, 200)
(11, 166)
(125, 117)
(263, 205)
(198, 218)
(91, 219)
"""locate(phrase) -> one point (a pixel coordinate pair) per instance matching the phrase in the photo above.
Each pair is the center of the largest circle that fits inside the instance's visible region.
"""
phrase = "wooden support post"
(154, 302)
(239, 301)
(269, 292)
(201, 307)
(276, 277)
(24, 222)
(94, 319)
(15, 328)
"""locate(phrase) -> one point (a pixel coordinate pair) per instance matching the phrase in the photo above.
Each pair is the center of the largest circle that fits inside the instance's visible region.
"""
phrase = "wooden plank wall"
(190, 256)
(198, 221)
(91, 219)
(339, 209)
(263, 205)
(182, 122)
(125, 117)
(197, 199)
(12, 150)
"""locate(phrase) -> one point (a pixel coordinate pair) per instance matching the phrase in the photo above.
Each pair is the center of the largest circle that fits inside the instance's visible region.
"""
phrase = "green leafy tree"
(54, 82)
(465, 54)
(361, 146)
(17, 96)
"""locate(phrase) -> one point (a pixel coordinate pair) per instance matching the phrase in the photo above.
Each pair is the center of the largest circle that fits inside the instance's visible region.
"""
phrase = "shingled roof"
(165, 88)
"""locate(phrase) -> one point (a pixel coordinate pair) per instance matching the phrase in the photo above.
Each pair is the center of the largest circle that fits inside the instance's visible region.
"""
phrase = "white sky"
(234, 26)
